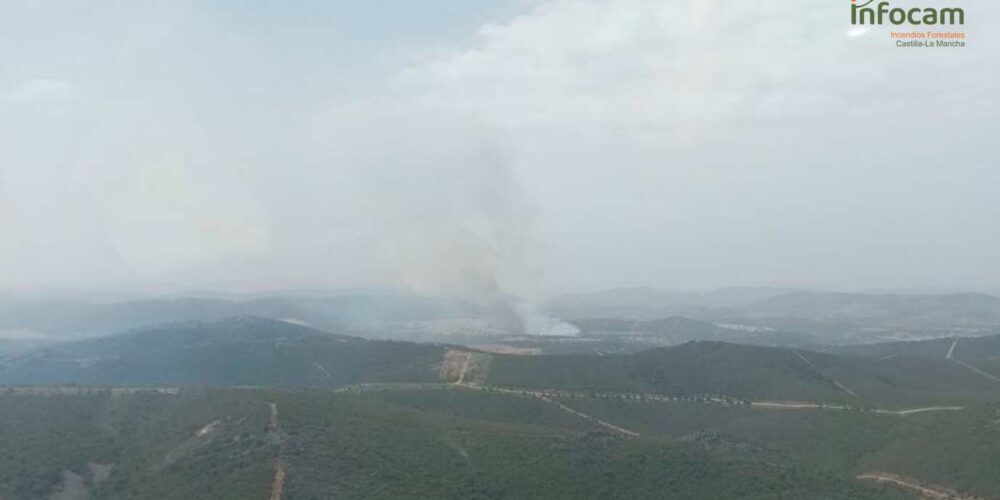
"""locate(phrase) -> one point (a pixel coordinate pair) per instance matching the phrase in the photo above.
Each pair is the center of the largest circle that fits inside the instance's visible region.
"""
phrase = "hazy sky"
(528, 146)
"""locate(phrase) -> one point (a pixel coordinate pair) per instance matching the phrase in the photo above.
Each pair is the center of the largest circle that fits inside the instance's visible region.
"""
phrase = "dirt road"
(978, 371)
(326, 373)
(591, 418)
(465, 367)
(641, 397)
(951, 350)
(273, 425)
(929, 409)
(278, 485)
(821, 374)
(280, 469)
(926, 491)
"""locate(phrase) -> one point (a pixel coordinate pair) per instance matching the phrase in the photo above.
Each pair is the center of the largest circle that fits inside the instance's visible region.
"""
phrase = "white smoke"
(451, 217)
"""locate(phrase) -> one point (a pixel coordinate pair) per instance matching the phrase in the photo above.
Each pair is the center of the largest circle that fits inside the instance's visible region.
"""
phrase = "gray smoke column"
(463, 234)
(449, 215)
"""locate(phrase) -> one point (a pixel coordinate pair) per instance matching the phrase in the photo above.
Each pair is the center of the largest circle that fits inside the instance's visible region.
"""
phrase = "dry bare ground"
(72, 488)
(465, 367)
(278, 485)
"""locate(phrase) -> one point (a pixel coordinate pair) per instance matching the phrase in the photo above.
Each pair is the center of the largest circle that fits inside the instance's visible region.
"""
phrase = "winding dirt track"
(273, 424)
(465, 367)
(278, 484)
(926, 491)
(821, 374)
(951, 350)
(591, 418)
(640, 397)
(929, 409)
(977, 371)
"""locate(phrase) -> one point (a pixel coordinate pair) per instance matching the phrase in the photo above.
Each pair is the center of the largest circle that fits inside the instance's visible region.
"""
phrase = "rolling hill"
(97, 444)
(965, 348)
(832, 318)
(646, 303)
(690, 369)
(679, 329)
(752, 373)
(337, 312)
(925, 310)
(265, 443)
(251, 351)
(338, 416)
(242, 350)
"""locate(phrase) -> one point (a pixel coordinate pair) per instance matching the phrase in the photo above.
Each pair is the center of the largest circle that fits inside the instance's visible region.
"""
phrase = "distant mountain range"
(832, 317)
(342, 312)
(654, 303)
(647, 316)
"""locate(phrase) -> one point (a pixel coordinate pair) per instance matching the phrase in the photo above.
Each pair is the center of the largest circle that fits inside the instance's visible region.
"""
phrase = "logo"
(919, 20)
(878, 15)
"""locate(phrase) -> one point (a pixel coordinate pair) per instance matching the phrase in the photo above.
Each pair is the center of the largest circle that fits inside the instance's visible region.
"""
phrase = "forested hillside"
(451, 444)
(753, 373)
(233, 351)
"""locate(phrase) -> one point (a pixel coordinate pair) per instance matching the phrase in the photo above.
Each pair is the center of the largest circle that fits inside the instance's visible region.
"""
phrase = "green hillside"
(694, 368)
(966, 348)
(146, 445)
(229, 352)
(451, 442)
(436, 455)
(954, 449)
(219, 444)
(250, 351)
(754, 373)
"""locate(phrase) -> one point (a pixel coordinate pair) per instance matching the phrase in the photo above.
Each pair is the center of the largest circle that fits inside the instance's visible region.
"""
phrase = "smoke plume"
(451, 218)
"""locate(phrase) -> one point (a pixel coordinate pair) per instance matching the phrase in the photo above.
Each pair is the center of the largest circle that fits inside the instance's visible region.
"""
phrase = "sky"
(524, 147)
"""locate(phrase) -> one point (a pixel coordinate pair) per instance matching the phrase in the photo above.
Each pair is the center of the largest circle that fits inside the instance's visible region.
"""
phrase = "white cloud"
(43, 91)
(675, 63)
(585, 143)
(659, 132)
